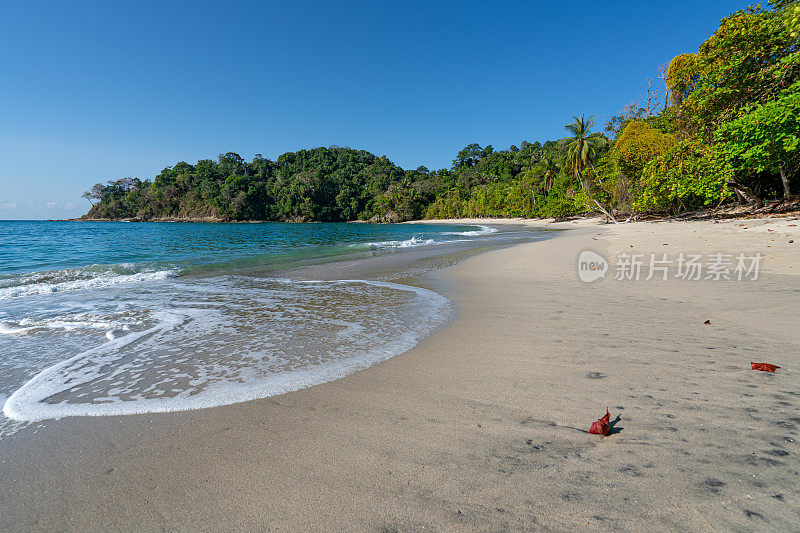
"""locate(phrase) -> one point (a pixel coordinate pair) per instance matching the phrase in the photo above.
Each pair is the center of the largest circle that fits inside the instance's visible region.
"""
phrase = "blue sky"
(98, 90)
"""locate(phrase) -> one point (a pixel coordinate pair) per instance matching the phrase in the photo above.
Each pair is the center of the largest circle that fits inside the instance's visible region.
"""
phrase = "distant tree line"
(325, 184)
(726, 129)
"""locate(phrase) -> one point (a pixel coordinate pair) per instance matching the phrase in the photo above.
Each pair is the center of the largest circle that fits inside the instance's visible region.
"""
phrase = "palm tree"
(550, 168)
(581, 149)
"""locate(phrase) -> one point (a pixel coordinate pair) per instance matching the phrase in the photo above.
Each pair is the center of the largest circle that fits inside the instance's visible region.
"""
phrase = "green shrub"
(688, 176)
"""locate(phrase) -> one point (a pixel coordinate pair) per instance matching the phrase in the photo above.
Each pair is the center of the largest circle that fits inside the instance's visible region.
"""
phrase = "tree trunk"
(605, 211)
(748, 193)
(580, 180)
(785, 179)
(608, 215)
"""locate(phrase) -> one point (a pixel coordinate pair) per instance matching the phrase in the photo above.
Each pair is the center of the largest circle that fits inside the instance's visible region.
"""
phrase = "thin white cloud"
(37, 210)
(55, 206)
(7, 205)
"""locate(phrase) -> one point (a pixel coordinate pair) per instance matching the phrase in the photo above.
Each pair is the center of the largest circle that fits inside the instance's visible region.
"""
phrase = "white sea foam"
(73, 322)
(408, 243)
(26, 403)
(484, 230)
(74, 280)
(416, 241)
(6, 329)
(232, 339)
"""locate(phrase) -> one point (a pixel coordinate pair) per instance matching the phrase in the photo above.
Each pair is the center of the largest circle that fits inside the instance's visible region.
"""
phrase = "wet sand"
(484, 425)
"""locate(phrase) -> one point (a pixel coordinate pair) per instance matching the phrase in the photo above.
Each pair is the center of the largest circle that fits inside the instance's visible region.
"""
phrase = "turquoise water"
(29, 246)
(122, 318)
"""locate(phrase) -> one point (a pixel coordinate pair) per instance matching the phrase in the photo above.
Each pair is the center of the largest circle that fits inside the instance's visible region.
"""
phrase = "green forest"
(726, 129)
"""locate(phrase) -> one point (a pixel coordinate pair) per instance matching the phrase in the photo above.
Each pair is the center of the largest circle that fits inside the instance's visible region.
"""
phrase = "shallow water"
(114, 318)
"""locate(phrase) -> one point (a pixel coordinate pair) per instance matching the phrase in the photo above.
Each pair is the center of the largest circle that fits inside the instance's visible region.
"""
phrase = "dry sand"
(484, 425)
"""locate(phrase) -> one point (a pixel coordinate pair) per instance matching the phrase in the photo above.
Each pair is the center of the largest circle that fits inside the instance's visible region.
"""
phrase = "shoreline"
(482, 425)
(369, 264)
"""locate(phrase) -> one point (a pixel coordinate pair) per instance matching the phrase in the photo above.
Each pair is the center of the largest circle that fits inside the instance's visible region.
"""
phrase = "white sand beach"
(484, 425)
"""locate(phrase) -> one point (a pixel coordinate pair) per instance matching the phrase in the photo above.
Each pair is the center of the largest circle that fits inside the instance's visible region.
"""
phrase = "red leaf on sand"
(602, 426)
(764, 367)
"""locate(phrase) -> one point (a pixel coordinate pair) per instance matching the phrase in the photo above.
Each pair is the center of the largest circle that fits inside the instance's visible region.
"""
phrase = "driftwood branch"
(608, 215)
(748, 193)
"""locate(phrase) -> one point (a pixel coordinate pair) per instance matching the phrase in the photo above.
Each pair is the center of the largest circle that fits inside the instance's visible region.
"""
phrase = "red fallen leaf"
(602, 426)
(764, 367)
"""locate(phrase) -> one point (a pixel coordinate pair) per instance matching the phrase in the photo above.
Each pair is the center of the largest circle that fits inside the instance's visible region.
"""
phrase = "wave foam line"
(408, 243)
(484, 230)
(28, 403)
(82, 284)
(8, 330)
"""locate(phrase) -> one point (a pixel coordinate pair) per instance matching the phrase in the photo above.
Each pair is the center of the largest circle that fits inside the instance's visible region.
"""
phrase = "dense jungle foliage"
(726, 129)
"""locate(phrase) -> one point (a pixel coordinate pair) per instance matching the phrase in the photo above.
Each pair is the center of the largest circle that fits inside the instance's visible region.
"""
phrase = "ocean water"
(122, 318)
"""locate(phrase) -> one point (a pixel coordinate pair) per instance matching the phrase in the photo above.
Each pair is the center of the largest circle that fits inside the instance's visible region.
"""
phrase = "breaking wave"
(73, 279)
(216, 341)
(484, 230)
